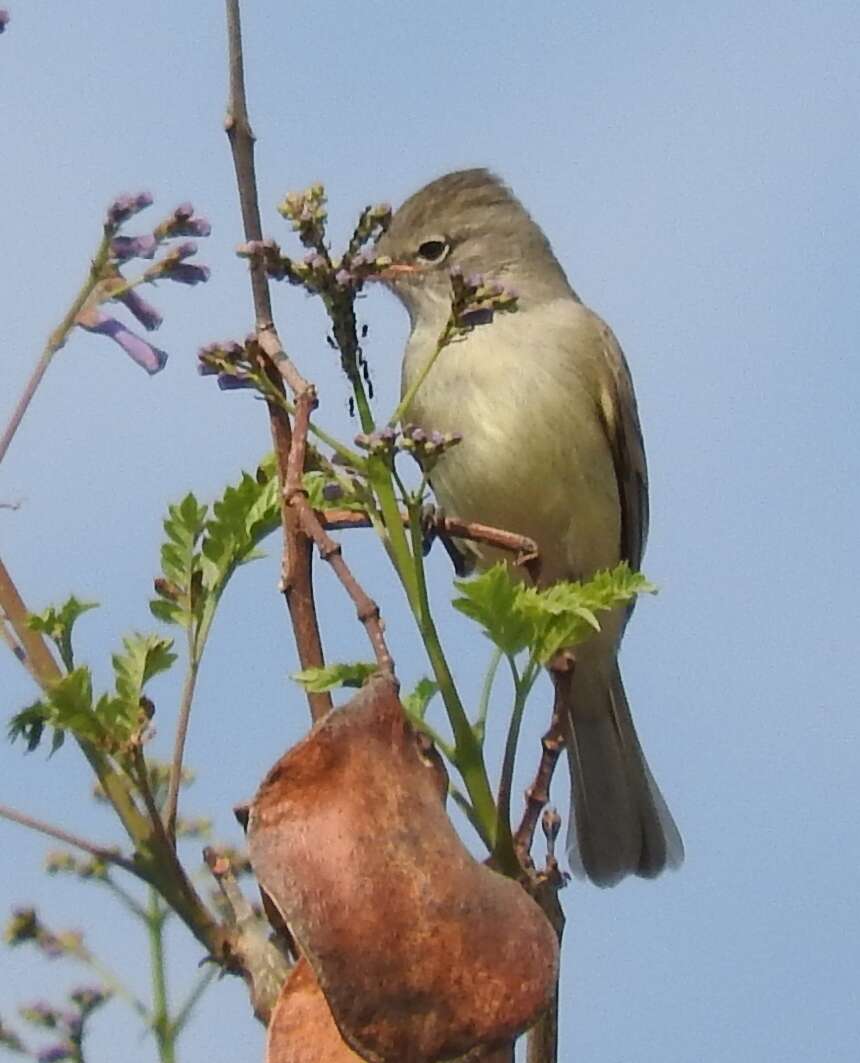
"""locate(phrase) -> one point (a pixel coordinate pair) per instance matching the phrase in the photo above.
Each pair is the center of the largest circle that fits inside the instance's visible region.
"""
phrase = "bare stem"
(171, 803)
(55, 341)
(552, 743)
(297, 560)
(101, 852)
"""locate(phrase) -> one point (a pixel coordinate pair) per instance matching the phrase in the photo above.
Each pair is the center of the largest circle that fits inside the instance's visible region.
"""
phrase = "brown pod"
(301, 1029)
(422, 952)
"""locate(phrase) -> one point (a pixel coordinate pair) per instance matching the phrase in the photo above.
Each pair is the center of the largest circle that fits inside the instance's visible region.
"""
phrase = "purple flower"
(183, 223)
(56, 1053)
(41, 1014)
(145, 312)
(88, 997)
(125, 207)
(343, 278)
(332, 492)
(144, 354)
(4, 18)
(186, 273)
(228, 382)
(124, 248)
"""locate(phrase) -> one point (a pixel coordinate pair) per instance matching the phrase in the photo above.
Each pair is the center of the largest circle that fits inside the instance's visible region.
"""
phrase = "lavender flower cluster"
(173, 266)
(425, 447)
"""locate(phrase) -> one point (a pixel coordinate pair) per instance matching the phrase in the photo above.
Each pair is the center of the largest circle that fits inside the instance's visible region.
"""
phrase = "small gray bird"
(551, 449)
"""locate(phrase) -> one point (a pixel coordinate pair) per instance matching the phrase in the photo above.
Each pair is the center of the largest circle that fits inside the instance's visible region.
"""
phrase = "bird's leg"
(432, 523)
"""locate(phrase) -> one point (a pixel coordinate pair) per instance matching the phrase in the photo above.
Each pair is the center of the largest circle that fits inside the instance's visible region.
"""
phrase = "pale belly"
(534, 457)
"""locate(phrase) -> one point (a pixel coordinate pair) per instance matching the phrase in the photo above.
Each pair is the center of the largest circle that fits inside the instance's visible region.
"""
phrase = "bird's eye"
(434, 249)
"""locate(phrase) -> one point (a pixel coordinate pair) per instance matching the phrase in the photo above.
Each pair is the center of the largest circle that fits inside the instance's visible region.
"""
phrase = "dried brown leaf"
(422, 952)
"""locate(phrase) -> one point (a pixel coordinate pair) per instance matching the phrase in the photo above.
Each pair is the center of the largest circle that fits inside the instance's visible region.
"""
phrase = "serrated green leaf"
(547, 620)
(143, 657)
(418, 700)
(29, 724)
(491, 599)
(168, 612)
(66, 706)
(57, 622)
(319, 680)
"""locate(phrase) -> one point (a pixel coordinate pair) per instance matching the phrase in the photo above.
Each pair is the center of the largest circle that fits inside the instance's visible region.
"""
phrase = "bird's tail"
(620, 825)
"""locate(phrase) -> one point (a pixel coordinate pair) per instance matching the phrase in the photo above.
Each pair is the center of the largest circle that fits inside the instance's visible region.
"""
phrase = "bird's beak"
(395, 270)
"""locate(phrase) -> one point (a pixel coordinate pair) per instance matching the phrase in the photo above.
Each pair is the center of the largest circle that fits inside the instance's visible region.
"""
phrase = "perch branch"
(524, 549)
(537, 795)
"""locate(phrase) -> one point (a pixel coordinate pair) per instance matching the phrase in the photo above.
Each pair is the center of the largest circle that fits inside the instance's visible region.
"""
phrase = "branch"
(40, 662)
(101, 852)
(537, 795)
(174, 782)
(263, 965)
(524, 549)
(297, 561)
(302, 527)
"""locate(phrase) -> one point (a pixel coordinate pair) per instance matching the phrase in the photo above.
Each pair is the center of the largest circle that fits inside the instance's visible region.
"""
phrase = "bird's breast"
(534, 457)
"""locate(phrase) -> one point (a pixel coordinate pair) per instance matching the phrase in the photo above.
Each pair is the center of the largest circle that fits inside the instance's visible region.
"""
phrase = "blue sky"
(696, 167)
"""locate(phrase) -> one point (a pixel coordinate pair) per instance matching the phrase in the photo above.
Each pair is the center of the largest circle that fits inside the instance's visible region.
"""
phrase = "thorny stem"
(55, 341)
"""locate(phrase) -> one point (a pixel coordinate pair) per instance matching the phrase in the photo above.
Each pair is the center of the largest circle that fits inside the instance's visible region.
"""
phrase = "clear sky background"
(697, 169)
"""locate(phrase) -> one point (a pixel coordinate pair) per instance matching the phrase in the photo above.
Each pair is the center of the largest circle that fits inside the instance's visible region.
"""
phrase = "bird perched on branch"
(552, 449)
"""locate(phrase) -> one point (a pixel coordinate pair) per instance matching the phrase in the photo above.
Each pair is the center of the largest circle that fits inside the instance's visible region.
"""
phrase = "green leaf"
(417, 702)
(57, 623)
(492, 600)
(180, 563)
(516, 617)
(29, 724)
(318, 680)
(144, 656)
(67, 706)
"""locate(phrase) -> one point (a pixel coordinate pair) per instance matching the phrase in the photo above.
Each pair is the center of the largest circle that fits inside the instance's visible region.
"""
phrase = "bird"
(551, 449)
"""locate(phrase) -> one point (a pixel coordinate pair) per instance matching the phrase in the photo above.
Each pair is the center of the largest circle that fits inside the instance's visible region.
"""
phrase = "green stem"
(161, 1024)
(522, 688)
(395, 539)
(199, 988)
(486, 691)
(469, 758)
(117, 987)
(407, 400)
(55, 341)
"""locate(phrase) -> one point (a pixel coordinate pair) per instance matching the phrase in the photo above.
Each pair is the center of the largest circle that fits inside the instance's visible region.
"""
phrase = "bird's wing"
(620, 418)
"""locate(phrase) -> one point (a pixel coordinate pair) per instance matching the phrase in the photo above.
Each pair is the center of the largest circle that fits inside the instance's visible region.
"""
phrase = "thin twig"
(101, 852)
(366, 608)
(55, 341)
(301, 525)
(174, 782)
(297, 561)
(522, 547)
(263, 964)
(537, 795)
